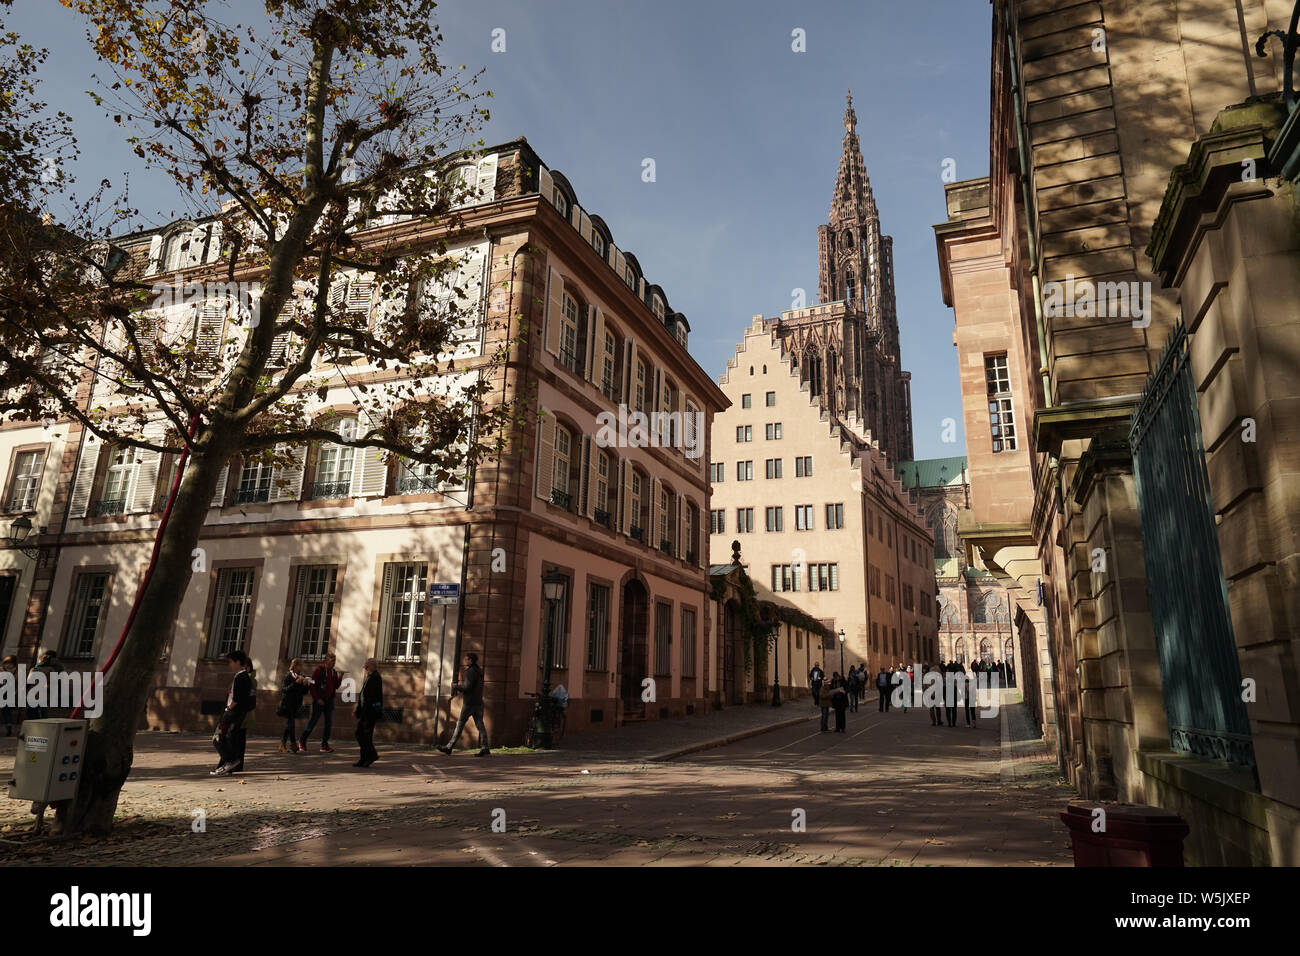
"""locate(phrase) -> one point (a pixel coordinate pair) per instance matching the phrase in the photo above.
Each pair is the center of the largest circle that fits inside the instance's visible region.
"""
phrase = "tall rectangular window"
(745, 471)
(718, 521)
(773, 467)
(744, 520)
(688, 642)
(232, 611)
(560, 635)
(717, 472)
(746, 400)
(87, 613)
(803, 467)
(663, 639)
(775, 518)
(773, 431)
(744, 433)
(1002, 415)
(401, 614)
(117, 482)
(26, 480)
(254, 482)
(771, 399)
(313, 611)
(803, 517)
(834, 517)
(597, 626)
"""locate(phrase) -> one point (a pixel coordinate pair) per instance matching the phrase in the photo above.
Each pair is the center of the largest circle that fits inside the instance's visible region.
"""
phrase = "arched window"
(986, 650)
(943, 522)
(638, 504)
(600, 488)
(995, 609)
(959, 650)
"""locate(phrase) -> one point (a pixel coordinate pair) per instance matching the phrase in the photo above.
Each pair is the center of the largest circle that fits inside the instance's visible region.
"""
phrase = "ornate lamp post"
(553, 584)
(841, 653)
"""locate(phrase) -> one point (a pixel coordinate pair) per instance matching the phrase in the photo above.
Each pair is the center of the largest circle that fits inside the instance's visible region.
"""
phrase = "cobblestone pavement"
(893, 790)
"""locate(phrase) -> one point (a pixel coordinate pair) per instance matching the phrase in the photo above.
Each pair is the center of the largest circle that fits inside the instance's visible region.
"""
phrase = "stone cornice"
(1239, 138)
(1059, 423)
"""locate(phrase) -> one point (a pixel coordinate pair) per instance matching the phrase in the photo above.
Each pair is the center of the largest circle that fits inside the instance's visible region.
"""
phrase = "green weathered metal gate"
(1199, 670)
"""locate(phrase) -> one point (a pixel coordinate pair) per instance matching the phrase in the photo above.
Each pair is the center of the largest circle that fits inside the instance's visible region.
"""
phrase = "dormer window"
(657, 306)
(560, 202)
(598, 243)
(630, 277)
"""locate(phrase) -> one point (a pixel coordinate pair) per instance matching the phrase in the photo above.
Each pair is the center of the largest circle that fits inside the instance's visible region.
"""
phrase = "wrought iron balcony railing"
(602, 517)
(416, 484)
(562, 499)
(636, 534)
(666, 547)
(244, 496)
(110, 506)
(331, 489)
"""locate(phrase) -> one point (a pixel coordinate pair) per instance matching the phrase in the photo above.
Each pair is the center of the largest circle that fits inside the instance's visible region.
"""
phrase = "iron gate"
(1199, 670)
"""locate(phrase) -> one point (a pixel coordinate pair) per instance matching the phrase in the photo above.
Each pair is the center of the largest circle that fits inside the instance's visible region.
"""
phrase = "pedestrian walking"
(950, 692)
(882, 688)
(970, 685)
(325, 681)
(293, 688)
(10, 666)
(905, 681)
(369, 709)
(839, 701)
(231, 737)
(825, 703)
(816, 677)
(470, 689)
(852, 687)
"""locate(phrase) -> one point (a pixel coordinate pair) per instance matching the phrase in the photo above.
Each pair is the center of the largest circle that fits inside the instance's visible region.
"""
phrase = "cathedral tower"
(847, 347)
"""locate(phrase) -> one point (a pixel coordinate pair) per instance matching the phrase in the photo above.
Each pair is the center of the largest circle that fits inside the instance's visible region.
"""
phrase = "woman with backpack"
(293, 688)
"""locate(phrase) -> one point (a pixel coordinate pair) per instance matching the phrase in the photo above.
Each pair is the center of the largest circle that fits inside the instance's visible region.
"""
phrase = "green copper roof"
(934, 472)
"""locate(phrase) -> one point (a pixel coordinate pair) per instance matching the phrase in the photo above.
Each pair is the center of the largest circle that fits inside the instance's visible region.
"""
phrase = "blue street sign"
(444, 593)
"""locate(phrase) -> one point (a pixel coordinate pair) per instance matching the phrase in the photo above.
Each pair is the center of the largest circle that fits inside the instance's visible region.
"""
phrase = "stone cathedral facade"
(846, 347)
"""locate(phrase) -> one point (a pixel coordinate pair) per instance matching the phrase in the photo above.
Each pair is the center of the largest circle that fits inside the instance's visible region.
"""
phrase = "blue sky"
(745, 134)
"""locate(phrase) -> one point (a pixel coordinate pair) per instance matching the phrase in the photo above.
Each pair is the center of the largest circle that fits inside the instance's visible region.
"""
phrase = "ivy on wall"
(755, 629)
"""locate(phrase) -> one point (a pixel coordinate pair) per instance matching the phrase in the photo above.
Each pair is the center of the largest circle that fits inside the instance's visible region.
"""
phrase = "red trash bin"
(1132, 835)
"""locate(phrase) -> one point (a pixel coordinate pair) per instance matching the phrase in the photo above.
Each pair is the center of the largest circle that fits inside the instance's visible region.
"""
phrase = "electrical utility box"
(48, 765)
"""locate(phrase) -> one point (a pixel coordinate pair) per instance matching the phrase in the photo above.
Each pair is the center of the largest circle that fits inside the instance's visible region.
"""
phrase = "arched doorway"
(986, 651)
(632, 647)
(959, 650)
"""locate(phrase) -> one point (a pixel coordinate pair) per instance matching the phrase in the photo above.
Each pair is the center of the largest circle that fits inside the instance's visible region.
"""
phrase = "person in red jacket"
(325, 683)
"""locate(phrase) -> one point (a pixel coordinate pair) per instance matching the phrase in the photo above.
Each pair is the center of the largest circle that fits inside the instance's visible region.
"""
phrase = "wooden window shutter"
(487, 178)
(370, 468)
(554, 312)
(593, 463)
(146, 470)
(595, 344)
(545, 455)
(155, 254)
(385, 611)
(652, 531)
(207, 335)
(584, 486)
(545, 184)
(85, 478)
(625, 495)
(219, 495)
(629, 372)
(679, 530)
(286, 483)
(299, 610)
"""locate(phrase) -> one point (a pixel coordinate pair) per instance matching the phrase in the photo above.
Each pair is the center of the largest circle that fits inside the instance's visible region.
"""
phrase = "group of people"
(231, 737)
(842, 694)
(323, 685)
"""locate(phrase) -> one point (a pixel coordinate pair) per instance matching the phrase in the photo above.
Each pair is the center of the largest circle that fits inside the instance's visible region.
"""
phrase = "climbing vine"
(755, 629)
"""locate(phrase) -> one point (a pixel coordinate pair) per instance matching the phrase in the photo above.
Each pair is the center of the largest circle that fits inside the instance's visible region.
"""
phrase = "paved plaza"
(893, 791)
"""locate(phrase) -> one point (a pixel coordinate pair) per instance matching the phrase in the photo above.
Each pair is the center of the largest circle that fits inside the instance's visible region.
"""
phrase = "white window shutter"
(584, 226)
(385, 610)
(652, 532)
(370, 468)
(593, 456)
(214, 241)
(286, 482)
(194, 252)
(155, 255)
(679, 530)
(487, 178)
(545, 184)
(554, 312)
(625, 495)
(219, 495)
(146, 471)
(629, 373)
(211, 325)
(85, 477)
(545, 455)
(584, 486)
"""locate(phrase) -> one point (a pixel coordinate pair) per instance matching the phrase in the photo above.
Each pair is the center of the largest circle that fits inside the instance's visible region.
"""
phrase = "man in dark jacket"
(232, 732)
(325, 682)
(815, 678)
(369, 709)
(882, 688)
(470, 689)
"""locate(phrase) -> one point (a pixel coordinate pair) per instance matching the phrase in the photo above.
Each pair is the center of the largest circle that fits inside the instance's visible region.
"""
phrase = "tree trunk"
(110, 742)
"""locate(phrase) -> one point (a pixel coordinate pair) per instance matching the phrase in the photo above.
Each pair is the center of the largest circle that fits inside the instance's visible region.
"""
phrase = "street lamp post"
(776, 664)
(19, 531)
(553, 583)
(841, 653)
